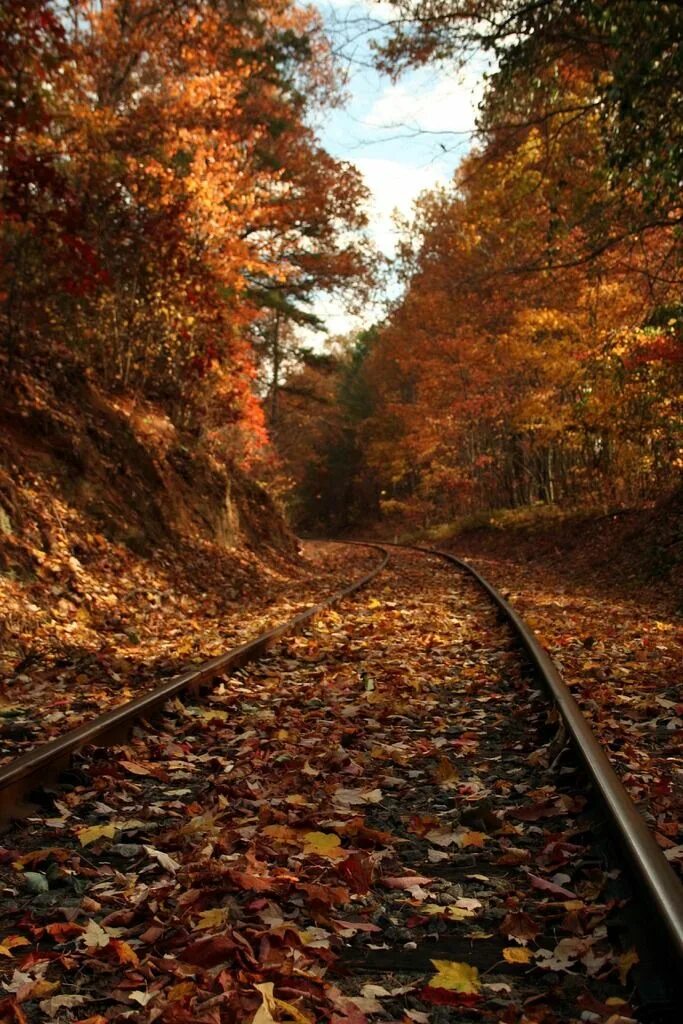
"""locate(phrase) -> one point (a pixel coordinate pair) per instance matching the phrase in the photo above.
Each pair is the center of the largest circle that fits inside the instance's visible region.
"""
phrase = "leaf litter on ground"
(279, 863)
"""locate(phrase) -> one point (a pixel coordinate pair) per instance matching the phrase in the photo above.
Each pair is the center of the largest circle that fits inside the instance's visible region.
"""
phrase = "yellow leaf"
(271, 1005)
(179, 991)
(214, 918)
(517, 955)
(213, 715)
(455, 977)
(626, 962)
(91, 834)
(9, 943)
(324, 844)
(453, 913)
(472, 839)
(43, 988)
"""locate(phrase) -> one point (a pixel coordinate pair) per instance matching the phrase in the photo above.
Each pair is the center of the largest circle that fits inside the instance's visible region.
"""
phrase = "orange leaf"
(134, 768)
(125, 953)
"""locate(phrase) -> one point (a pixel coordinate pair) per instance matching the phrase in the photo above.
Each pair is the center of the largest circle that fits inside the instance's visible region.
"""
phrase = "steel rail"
(661, 887)
(44, 763)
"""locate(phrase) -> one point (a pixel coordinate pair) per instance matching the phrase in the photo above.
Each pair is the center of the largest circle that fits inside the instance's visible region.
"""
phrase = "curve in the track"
(657, 884)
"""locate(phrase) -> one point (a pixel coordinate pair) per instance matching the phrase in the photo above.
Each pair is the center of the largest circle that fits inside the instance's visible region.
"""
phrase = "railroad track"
(427, 816)
(44, 763)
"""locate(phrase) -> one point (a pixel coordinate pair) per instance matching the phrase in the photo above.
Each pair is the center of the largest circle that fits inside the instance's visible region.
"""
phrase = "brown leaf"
(210, 951)
(518, 925)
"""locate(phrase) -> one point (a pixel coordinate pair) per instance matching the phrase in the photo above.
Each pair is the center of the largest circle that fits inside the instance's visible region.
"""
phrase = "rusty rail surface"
(45, 762)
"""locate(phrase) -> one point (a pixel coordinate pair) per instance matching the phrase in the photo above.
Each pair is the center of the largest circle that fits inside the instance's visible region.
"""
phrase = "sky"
(403, 136)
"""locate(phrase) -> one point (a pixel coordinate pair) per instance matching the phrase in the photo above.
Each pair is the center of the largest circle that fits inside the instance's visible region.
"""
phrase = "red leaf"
(254, 883)
(329, 895)
(546, 886)
(357, 870)
(444, 997)
(61, 932)
(11, 1012)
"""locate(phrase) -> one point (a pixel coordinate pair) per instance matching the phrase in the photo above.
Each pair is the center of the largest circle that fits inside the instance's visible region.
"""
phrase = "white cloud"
(354, 8)
(338, 320)
(441, 103)
(394, 186)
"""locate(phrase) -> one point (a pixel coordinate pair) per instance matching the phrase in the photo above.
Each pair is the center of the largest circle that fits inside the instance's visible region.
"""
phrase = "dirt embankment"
(121, 465)
(126, 553)
(633, 554)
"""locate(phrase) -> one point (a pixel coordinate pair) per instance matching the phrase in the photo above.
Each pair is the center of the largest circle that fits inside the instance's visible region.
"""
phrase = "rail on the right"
(662, 888)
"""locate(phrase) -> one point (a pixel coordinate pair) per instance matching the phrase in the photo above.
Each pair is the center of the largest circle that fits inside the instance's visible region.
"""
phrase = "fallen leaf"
(62, 931)
(134, 768)
(357, 870)
(36, 882)
(520, 926)
(367, 1004)
(125, 953)
(323, 844)
(405, 881)
(626, 962)
(546, 886)
(451, 912)
(92, 833)
(472, 839)
(52, 1006)
(214, 918)
(162, 858)
(10, 942)
(142, 997)
(272, 1005)
(350, 797)
(517, 955)
(94, 936)
(455, 977)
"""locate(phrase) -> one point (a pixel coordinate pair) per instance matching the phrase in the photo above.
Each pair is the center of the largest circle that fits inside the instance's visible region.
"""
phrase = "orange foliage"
(161, 180)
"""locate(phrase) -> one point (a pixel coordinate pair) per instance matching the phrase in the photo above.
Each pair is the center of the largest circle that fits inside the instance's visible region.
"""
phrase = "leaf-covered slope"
(121, 465)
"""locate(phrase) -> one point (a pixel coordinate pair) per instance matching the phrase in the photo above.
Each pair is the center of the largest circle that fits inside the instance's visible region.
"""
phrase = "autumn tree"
(630, 53)
(538, 334)
(535, 353)
(166, 152)
(39, 214)
(325, 401)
